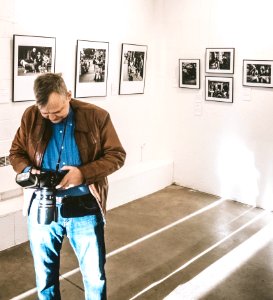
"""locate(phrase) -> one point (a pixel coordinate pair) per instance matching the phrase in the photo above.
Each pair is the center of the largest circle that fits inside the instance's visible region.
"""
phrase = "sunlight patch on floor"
(237, 171)
(201, 254)
(216, 273)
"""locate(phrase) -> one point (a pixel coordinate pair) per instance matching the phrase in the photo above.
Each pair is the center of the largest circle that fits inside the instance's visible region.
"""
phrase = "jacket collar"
(79, 116)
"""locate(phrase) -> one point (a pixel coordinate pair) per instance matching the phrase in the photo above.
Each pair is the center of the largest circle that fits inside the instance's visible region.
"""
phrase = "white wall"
(227, 150)
(121, 21)
(141, 120)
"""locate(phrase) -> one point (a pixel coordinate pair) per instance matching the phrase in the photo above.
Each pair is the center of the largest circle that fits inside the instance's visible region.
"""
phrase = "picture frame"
(32, 56)
(91, 69)
(132, 69)
(258, 73)
(189, 73)
(219, 89)
(220, 60)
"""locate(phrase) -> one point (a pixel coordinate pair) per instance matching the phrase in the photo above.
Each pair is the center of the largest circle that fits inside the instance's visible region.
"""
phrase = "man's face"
(57, 107)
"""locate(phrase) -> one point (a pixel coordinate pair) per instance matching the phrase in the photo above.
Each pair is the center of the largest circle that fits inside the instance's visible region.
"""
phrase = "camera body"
(48, 179)
(45, 184)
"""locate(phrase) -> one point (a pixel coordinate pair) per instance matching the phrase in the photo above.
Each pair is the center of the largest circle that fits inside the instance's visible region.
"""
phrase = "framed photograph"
(189, 73)
(91, 69)
(219, 89)
(257, 73)
(132, 69)
(32, 56)
(220, 60)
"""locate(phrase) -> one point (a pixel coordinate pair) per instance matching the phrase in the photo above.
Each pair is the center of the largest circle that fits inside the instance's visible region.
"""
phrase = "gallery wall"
(137, 121)
(221, 148)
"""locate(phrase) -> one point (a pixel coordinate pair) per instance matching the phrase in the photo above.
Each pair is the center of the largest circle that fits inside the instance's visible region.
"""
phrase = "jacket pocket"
(89, 146)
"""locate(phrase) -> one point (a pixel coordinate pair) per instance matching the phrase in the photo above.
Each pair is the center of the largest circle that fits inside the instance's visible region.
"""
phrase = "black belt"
(79, 206)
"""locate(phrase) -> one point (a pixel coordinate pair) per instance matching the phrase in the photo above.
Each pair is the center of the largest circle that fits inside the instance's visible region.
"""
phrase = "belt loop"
(59, 199)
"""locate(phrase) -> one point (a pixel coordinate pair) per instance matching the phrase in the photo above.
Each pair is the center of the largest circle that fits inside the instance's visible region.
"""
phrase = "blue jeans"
(86, 236)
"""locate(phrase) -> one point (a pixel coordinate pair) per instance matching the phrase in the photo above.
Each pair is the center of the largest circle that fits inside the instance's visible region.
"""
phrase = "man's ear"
(69, 95)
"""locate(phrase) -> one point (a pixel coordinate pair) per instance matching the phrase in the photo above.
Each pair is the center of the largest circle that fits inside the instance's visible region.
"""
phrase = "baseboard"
(136, 181)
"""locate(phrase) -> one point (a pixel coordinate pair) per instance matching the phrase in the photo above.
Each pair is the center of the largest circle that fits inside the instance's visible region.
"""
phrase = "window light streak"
(241, 215)
(198, 212)
(216, 273)
(74, 271)
(25, 294)
(266, 196)
(237, 171)
(199, 256)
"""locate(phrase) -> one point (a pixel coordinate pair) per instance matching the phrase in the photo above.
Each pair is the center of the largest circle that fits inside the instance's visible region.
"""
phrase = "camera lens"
(47, 206)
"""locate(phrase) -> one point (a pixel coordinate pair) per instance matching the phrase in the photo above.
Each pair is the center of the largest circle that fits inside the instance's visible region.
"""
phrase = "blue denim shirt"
(67, 147)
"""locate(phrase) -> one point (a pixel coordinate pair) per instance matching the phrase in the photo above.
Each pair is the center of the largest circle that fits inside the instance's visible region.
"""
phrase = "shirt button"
(63, 163)
(61, 131)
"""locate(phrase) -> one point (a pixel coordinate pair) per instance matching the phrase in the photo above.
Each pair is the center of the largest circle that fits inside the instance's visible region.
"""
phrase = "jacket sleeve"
(112, 154)
(18, 156)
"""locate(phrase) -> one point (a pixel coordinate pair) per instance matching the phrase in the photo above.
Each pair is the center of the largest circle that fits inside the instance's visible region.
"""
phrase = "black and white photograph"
(133, 67)
(91, 69)
(219, 89)
(257, 73)
(134, 61)
(220, 60)
(34, 59)
(32, 56)
(189, 73)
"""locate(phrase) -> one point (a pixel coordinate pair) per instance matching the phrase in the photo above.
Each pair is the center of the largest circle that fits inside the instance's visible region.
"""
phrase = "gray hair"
(46, 84)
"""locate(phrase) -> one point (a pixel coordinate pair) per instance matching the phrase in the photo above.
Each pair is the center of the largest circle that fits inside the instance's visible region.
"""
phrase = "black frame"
(258, 73)
(91, 69)
(189, 73)
(220, 60)
(132, 69)
(28, 63)
(219, 89)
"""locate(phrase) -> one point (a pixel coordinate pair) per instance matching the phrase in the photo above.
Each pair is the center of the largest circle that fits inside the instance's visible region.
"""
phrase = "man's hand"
(73, 178)
(34, 171)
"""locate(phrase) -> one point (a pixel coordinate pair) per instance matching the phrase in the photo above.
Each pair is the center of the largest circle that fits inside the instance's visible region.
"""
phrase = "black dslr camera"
(45, 183)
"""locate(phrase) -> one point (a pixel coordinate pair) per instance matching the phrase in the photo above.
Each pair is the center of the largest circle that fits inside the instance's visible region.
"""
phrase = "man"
(32, 58)
(62, 134)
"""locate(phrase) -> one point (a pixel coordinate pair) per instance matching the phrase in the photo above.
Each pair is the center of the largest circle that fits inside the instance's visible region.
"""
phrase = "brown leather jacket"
(99, 146)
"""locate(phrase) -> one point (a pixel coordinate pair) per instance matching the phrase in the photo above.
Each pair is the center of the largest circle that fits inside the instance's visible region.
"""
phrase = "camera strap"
(62, 146)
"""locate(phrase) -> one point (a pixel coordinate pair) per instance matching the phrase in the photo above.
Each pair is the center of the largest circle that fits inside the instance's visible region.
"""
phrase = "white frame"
(221, 80)
(218, 69)
(258, 79)
(89, 85)
(23, 80)
(137, 84)
(189, 85)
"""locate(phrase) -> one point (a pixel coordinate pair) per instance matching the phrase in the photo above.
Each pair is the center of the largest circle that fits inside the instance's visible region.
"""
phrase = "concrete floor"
(174, 244)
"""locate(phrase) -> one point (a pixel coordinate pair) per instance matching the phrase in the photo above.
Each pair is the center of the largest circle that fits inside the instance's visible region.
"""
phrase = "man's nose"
(52, 117)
